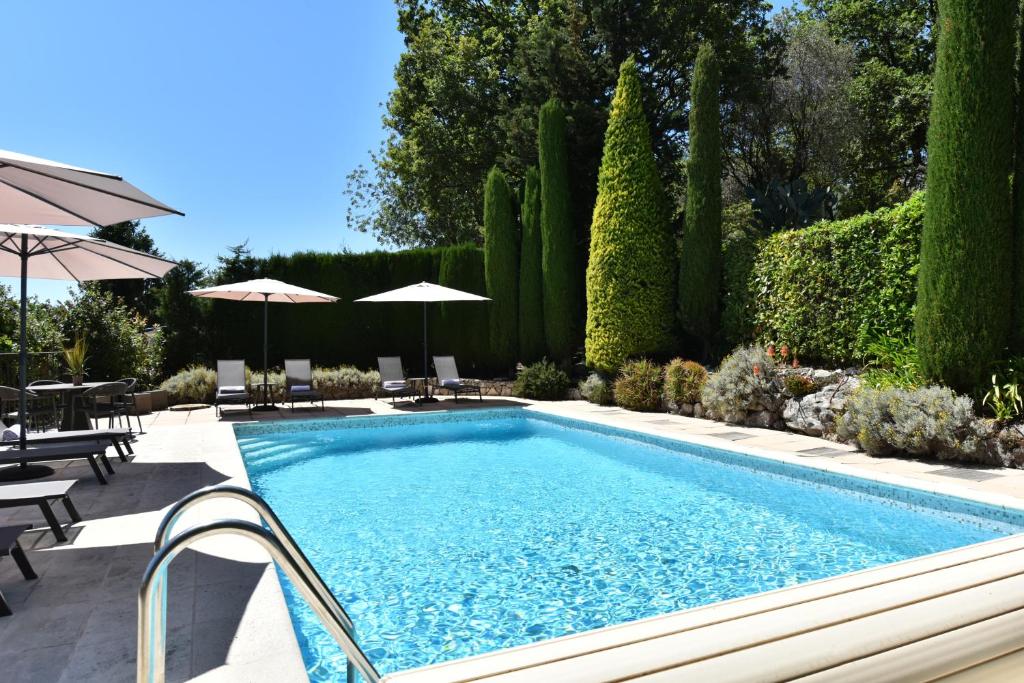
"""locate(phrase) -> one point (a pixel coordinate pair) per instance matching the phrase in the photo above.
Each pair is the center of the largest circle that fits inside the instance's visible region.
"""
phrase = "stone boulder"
(815, 414)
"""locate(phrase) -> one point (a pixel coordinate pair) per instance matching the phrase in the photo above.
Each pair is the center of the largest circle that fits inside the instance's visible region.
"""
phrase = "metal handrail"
(282, 549)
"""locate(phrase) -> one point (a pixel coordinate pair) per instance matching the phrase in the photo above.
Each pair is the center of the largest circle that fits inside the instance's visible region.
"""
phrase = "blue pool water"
(451, 536)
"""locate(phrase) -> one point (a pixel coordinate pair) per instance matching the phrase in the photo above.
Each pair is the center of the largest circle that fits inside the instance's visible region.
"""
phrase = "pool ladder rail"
(275, 539)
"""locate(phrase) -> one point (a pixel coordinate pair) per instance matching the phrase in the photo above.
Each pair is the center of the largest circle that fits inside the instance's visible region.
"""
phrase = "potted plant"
(75, 355)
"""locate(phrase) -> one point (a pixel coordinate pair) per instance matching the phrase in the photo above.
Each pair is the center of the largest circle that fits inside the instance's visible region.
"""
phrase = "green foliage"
(119, 345)
(184, 318)
(827, 289)
(631, 274)
(137, 294)
(789, 206)
(194, 384)
(1005, 398)
(684, 380)
(639, 386)
(531, 279)
(926, 421)
(746, 378)
(700, 254)
(893, 362)
(797, 385)
(596, 389)
(964, 289)
(76, 355)
(464, 324)
(739, 254)
(542, 381)
(561, 288)
(501, 269)
(1017, 301)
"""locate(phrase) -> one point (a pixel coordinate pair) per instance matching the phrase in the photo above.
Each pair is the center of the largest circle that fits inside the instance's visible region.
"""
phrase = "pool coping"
(633, 422)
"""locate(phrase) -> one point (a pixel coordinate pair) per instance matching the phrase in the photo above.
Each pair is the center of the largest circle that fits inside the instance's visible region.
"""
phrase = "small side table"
(264, 395)
(9, 546)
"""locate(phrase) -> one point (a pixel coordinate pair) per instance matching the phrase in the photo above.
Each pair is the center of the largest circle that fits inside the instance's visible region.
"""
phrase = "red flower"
(796, 363)
(771, 350)
(785, 350)
(757, 371)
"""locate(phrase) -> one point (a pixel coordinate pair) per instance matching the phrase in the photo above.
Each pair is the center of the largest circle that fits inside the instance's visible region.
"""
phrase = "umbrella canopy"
(34, 190)
(426, 293)
(57, 255)
(264, 290)
(33, 251)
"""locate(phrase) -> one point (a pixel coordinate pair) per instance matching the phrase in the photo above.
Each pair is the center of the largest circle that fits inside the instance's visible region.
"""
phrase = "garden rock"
(815, 414)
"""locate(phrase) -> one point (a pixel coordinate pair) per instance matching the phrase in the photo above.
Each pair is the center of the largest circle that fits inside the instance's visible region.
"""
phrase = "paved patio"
(227, 618)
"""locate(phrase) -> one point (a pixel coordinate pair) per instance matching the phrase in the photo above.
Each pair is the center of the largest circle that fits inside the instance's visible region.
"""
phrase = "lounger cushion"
(231, 390)
(301, 387)
(395, 385)
(451, 383)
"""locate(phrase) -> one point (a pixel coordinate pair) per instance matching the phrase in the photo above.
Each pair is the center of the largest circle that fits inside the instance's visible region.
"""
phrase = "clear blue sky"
(246, 115)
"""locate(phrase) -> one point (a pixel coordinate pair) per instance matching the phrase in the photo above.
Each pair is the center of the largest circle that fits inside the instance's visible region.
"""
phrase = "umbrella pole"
(266, 405)
(24, 470)
(426, 398)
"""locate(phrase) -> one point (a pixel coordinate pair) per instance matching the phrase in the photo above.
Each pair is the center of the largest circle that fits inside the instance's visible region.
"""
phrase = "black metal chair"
(50, 409)
(128, 404)
(10, 404)
(101, 401)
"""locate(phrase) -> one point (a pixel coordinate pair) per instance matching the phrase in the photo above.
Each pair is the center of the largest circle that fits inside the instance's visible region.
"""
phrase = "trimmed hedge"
(631, 274)
(501, 269)
(464, 324)
(531, 279)
(829, 289)
(964, 302)
(700, 254)
(561, 287)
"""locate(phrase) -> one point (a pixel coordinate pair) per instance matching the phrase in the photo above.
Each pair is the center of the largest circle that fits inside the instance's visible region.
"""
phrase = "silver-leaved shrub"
(746, 380)
(597, 390)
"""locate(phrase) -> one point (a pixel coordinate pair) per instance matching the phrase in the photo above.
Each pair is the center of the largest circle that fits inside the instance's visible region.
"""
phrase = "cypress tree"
(1017, 332)
(501, 269)
(700, 257)
(531, 282)
(964, 302)
(631, 273)
(464, 332)
(558, 250)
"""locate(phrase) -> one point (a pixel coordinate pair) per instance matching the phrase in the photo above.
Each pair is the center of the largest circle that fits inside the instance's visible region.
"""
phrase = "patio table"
(71, 419)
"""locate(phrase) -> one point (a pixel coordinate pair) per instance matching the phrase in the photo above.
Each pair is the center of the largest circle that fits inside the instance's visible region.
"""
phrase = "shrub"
(631, 273)
(797, 385)
(827, 290)
(346, 382)
(531, 279)
(700, 255)
(543, 381)
(927, 421)
(1005, 398)
(596, 389)
(893, 362)
(194, 384)
(501, 269)
(639, 386)
(746, 380)
(964, 289)
(739, 254)
(684, 380)
(464, 324)
(558, 251)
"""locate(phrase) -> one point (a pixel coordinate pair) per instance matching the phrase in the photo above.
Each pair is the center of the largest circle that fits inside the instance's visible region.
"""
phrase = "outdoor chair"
(40, 493)
(448, 378)
(392, 378)
(47, 410)
(101, 401)
(127, 403)
(298, 383)
(231, 388)
(37, 408)
(9, 546)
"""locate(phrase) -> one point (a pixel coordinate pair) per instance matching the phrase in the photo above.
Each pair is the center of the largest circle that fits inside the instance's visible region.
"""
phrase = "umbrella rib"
(50, 203)
(85, 246)
(110, 193)
(64, 266)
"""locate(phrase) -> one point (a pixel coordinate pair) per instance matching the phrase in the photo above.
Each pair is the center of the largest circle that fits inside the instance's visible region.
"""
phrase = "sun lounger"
(120, 439)
(41, 493)
(93, 451)
(9, 546)
(392, 378)
(231, 388)
(298, 383)
(448, 378)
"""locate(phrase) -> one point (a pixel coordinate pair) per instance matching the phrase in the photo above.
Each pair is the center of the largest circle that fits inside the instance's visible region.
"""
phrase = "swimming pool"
(448, 535)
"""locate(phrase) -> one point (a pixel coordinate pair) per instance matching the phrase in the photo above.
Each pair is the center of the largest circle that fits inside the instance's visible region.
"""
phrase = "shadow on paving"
(78, 620)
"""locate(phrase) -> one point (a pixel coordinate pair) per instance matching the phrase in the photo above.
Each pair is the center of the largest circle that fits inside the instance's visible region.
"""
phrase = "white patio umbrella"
(32, 251)
(267, 291)
(426, 293)
(34, 190)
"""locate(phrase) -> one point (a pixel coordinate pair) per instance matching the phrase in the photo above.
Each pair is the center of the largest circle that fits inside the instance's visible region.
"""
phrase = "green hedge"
(531, 279)
(354, 333)
(827, 289)
(501, 269)
(464, 324)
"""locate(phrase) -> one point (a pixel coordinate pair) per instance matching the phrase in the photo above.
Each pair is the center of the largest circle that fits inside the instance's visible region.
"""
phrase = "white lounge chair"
(231, 389)
(448, 378)
(392, 378)
(298, 383)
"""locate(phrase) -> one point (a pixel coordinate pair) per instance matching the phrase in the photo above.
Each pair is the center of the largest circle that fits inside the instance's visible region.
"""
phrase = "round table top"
(63, 386)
